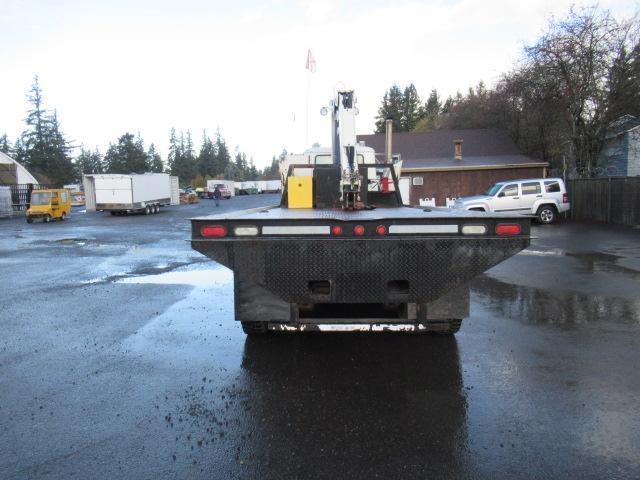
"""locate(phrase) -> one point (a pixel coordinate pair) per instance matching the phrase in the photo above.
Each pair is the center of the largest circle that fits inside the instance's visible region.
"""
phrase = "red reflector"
(381, 230)
(565, 198)
(508, 229)
(213, 231)
(336, 230)
(359, 230)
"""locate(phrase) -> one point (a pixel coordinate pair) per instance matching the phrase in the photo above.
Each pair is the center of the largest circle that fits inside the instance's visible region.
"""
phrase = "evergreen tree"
(207, 161)
(182, 161)
(154, 160)
(411, 108)
(252, 171)
(223, 158)
(392, 107)
(241, 166)
(5, 146)
(127, 156)
(174, 153)
(433, 107)
(88, 162)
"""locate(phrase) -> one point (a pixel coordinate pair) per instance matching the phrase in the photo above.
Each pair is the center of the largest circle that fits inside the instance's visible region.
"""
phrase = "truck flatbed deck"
(405, 212)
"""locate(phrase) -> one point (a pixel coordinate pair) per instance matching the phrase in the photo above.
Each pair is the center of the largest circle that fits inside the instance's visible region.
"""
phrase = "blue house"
(620, 154)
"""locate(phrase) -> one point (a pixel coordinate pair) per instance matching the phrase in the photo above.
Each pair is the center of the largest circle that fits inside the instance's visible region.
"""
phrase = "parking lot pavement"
(119, 358)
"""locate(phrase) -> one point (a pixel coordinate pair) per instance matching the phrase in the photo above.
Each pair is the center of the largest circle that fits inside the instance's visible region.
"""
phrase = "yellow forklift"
(49, 204)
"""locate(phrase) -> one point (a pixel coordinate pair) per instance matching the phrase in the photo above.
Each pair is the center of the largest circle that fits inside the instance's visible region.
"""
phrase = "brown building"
(444, 164)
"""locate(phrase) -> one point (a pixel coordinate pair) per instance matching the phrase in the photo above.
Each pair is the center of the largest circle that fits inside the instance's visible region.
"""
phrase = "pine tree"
(127, 156)
(88, 162)
(174, 153)
(154, 160)
(411, 108)
(223, 159)
(391, 107)
(207, 161)
(43, 147)
(5, 146)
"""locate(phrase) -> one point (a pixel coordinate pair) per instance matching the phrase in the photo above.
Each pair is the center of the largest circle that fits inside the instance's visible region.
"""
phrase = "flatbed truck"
(356, 256)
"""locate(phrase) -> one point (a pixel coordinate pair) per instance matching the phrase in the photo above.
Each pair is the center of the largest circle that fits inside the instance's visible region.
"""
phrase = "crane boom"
(344, 142)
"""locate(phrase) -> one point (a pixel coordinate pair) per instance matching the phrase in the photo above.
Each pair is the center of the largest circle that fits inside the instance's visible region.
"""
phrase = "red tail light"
(358, 230)
(565, 198)
(337, 230)
(381, 230)
(213, 231)
(508, 229)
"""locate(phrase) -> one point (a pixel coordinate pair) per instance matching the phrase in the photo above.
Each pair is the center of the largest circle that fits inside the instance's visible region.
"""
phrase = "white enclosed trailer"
(122, 194)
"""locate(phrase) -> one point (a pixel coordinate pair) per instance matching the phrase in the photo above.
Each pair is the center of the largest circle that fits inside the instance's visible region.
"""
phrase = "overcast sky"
(149, 65)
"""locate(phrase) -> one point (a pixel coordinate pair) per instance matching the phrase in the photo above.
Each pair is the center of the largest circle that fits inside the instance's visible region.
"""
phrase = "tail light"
(508, 229)
(336, 230)
(213, 231)
(565, 198)
(381, 230)
(358, 230)
(245, 231)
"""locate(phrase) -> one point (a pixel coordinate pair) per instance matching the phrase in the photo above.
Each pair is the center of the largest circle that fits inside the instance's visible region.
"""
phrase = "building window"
(531, 188)
(418, 181)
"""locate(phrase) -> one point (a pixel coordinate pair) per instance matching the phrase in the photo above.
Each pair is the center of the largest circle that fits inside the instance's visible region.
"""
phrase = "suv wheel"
(547, 214)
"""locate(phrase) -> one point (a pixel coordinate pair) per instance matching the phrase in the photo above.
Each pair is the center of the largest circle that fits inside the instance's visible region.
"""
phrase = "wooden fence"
(611, 200)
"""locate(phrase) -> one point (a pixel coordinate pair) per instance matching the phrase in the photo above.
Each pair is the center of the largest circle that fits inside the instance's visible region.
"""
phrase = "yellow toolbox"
(300, 192)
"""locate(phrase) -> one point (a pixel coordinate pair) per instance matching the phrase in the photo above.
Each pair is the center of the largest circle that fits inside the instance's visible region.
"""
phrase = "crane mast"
(343, 148)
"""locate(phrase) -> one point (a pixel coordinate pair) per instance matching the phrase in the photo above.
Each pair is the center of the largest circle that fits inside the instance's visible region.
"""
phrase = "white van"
(543, 197)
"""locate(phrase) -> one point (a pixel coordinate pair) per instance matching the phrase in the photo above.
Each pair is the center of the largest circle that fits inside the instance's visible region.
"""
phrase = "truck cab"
(49, 205)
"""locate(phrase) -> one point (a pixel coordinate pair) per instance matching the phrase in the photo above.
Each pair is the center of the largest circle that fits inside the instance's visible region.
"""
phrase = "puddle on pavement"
(561, 308)
(193, 277)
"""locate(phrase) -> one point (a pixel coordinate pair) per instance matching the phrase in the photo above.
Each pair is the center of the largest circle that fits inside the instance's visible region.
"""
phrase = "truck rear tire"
(46, 218)
(147, 210)
(255, 328)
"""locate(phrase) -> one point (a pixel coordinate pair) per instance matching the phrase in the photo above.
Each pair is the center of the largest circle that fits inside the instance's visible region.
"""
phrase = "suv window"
(510, 190)
(531, 188)
(552, 186)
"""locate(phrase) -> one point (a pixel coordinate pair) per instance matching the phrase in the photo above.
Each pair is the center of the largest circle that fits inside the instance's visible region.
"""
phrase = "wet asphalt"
(119, 358)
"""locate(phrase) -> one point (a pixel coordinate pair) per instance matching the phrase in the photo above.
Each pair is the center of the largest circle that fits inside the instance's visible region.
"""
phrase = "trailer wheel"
(147, 210)
(156, 209)
(255, 328)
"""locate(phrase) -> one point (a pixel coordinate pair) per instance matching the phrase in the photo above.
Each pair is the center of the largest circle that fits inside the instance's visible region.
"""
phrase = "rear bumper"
(358, 270)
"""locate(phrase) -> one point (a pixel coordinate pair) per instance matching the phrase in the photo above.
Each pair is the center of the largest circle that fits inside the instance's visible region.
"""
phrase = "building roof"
(12, 172)
(434, 150)
(622, 125)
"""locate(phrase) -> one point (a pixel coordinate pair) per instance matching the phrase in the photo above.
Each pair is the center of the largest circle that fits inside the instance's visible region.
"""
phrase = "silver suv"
(543, 197)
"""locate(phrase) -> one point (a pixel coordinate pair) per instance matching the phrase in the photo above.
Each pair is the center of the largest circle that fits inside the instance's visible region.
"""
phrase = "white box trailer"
(122, 194)
(272, 186)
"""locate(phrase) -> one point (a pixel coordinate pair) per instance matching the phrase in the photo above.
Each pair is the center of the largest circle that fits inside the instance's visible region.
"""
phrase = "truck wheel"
(63, 217)
(156, 209)
(547, 214)
(255, 328)
(147, 210)
(46, 218)
(113, 213)
(29, 220)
